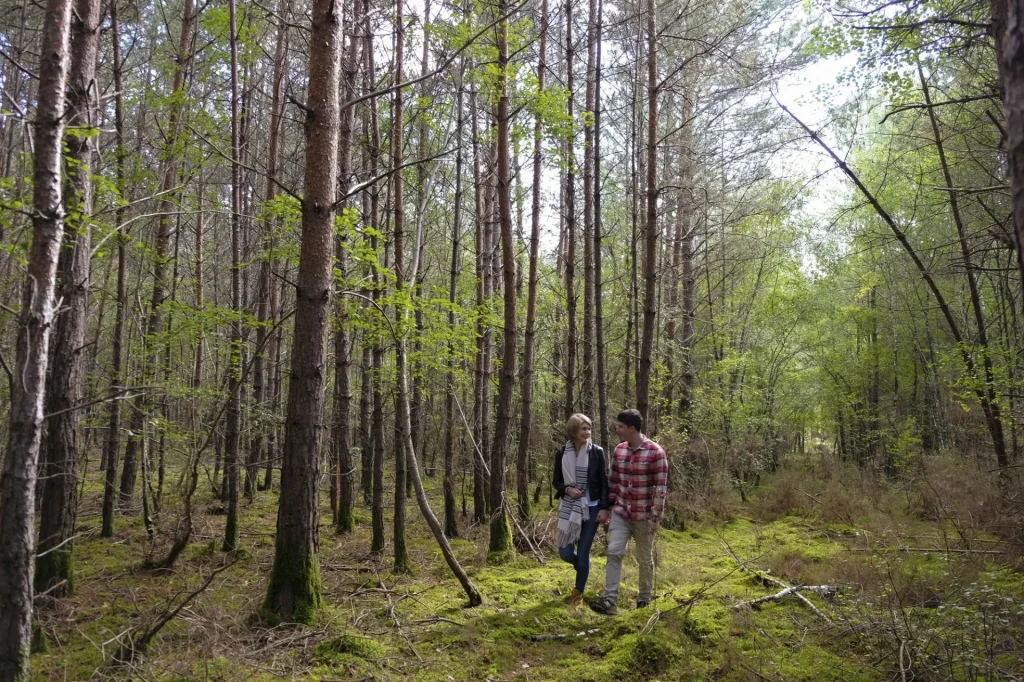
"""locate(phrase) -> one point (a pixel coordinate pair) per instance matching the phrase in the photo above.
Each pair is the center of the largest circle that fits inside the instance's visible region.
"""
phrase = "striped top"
(638, 482)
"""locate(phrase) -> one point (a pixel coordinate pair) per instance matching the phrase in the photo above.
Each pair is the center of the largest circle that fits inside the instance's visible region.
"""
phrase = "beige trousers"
(619, 532)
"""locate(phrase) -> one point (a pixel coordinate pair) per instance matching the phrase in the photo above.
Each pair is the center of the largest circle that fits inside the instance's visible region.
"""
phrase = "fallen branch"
(129, 653)
(928, 550)
(764, 577)
(785, 592)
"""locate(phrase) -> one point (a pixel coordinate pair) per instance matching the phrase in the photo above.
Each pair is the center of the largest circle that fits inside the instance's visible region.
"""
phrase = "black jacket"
(597, 476)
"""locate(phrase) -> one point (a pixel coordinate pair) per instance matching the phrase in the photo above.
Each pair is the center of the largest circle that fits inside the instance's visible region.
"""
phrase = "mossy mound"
(643, 656)
(349, 644)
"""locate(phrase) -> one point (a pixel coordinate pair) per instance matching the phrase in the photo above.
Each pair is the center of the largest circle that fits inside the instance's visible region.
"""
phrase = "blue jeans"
(579, 556)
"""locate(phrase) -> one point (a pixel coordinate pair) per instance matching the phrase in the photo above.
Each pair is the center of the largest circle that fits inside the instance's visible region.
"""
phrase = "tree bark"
(451, 526)
(602, 379)
(64, 389)
(572, 339)
(529, 344)
(344, 521)
(402, 563)
(588, 401)
(18, 480)
(234, 411)
(501, 533)
(294, 592)
(113, 444)
(643, 384)
(1011, 61)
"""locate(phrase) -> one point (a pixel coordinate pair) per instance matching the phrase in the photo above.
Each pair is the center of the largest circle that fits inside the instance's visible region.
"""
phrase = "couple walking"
(628, 500)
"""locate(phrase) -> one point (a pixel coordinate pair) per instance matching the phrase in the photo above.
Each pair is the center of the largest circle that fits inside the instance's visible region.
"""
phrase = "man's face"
(622, 431)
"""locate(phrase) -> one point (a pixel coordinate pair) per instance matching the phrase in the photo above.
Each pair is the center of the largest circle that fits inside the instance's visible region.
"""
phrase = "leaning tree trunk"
(990, 404)
(18, 480)
(54, 570)
(294, 591)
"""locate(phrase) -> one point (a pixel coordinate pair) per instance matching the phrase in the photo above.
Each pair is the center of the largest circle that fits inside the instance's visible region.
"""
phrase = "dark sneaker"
(642, 603)
(604, 606)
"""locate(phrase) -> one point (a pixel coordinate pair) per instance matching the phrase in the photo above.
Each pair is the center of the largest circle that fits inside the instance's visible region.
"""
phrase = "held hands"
(603, 517)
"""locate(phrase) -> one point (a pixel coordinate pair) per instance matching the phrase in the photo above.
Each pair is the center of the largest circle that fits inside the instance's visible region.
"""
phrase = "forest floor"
(915, 597)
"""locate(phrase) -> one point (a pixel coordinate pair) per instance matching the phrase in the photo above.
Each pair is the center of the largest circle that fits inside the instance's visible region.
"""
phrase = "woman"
(581, 482)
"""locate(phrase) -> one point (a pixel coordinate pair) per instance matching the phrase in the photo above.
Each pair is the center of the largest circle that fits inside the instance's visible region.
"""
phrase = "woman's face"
(583, 433)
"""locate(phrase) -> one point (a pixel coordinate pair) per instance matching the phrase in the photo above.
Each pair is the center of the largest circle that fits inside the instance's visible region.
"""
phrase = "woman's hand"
(574, 493)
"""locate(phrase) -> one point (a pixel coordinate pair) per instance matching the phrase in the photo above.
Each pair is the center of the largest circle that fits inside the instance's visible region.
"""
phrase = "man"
(637, 486)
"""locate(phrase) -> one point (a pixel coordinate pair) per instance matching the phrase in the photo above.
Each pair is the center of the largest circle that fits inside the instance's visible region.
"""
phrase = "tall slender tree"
(59, 508)
(529, 334)
(18, 480)
(294, 591)
(650, 262)
(501, 534)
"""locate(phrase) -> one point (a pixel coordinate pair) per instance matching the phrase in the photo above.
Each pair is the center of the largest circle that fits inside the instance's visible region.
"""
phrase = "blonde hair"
(572, 427)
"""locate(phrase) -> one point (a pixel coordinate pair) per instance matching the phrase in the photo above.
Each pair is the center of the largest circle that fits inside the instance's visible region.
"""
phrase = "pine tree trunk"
(501, 533)
(344, 521)
(294, 592)
(602, 379)
(643, 384)
(377, 420)
(18, 480)
(64, 389)
(451, 526)
(479, 379)
(570, 227)
(688, 228)
(588, 397)
(402, 563)
(234, 411)
(1011, 62)
(529, 345)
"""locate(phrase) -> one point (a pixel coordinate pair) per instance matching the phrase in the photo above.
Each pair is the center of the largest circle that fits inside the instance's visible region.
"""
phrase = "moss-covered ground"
(897, 614)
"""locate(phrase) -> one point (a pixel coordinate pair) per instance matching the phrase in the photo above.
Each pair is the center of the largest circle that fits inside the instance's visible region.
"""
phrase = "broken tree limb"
(788, 589)
(785, 592)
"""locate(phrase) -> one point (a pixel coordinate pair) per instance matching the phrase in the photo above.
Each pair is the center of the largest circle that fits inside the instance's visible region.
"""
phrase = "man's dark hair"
(631, 418)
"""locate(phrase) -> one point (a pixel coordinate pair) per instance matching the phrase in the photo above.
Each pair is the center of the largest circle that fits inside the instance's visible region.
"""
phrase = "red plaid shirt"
(638, 482)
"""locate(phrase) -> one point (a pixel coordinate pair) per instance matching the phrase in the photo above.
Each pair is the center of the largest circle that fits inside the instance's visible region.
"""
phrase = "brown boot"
(576, 599)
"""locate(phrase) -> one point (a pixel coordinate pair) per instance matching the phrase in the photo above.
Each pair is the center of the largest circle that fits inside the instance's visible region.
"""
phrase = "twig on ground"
(544, 638)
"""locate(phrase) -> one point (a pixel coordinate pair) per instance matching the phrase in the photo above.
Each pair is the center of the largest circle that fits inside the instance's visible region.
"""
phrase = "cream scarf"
(573, 513)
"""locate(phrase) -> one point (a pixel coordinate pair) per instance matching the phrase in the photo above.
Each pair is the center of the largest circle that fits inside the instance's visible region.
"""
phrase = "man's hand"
(603, 517)
(652, 526)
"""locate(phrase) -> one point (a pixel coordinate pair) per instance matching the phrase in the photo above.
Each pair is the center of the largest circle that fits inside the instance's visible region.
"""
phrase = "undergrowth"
(927, 586)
